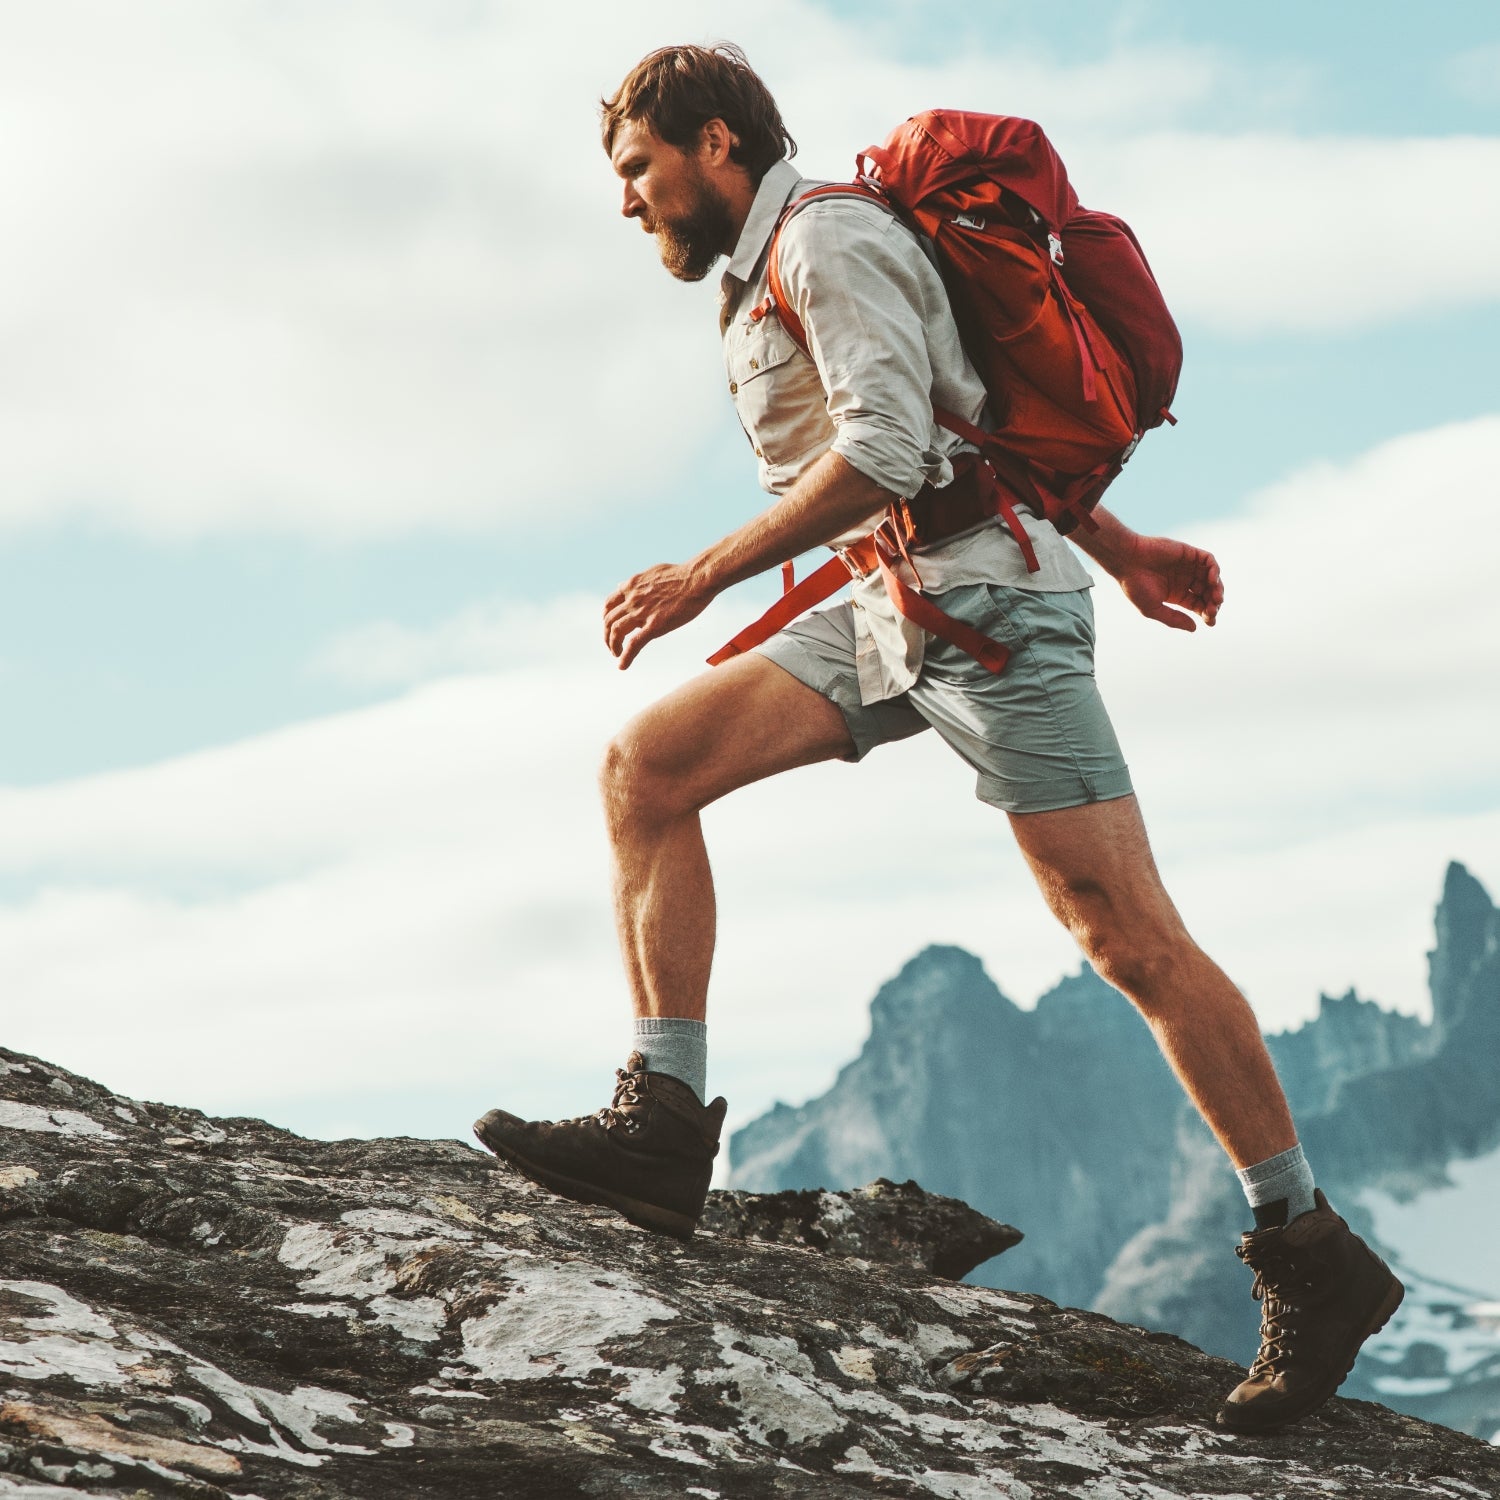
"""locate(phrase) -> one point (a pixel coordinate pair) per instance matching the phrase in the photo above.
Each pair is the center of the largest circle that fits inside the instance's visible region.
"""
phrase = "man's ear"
(715, 142)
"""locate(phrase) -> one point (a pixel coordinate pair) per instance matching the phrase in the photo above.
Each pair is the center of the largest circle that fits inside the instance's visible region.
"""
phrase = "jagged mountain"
(1067, 1121)
(219, 1310)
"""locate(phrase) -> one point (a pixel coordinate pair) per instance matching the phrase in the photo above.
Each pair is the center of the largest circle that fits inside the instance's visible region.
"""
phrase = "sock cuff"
(1272, 1170)
(669, 1026)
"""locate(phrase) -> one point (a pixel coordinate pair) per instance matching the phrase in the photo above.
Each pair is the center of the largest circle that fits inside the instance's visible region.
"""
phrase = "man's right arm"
(830, 499)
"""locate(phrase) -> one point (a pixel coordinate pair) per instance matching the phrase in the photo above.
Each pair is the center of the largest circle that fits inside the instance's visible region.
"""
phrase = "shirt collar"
(776, 187)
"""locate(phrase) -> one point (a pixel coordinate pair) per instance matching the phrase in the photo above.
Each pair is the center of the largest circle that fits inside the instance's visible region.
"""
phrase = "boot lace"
(630, 1095)
(1284, 1286)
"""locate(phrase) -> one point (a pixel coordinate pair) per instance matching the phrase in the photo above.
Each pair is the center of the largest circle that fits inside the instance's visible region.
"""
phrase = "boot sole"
(1231, 1418)
(648, 1215)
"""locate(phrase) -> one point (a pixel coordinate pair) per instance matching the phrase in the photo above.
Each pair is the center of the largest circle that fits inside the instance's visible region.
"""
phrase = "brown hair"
(676, 91)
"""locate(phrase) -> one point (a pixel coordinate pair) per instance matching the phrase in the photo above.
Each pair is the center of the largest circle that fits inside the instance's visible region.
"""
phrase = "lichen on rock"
(221, 1309)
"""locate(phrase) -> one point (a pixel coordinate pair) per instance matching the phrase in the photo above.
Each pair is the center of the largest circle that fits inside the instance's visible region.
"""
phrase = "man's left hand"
(651, 604)
(1162, 573)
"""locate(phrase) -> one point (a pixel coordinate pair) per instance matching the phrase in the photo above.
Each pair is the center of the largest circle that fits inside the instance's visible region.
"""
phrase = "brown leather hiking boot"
(1322, 1292)
(650, 1154)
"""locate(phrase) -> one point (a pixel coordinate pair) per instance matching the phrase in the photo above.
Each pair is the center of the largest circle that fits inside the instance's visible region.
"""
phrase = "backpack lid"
(1012, 151)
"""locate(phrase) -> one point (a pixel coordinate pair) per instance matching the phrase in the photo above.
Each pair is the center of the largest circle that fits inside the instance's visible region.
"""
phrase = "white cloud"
(414, 896)
(1257, 234)
(1474, 75)
(349, 272)
(482, 638)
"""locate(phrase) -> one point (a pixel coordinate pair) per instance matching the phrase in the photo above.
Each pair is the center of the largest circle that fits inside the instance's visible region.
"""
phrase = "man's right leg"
(727, 728)
(650, 1154)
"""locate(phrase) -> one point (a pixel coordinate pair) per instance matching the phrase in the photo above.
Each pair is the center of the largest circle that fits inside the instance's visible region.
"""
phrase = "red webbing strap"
(920, 610)
(813, 589)
(1017, 530)
(1086, 356)
(1013, 472)
(783, 304)
(788, 577)
(959, 428)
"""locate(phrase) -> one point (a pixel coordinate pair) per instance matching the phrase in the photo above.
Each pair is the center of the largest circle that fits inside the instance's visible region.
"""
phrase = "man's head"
(692, 130)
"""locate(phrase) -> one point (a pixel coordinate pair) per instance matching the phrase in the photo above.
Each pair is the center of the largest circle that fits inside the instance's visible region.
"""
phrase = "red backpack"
(1077, 370)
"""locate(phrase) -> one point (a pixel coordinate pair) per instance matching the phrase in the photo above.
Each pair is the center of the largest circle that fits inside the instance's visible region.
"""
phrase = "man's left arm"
(1166, 580)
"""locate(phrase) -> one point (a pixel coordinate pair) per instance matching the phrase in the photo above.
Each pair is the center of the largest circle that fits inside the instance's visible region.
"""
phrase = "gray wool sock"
(1279, 1188)
(679, 1047)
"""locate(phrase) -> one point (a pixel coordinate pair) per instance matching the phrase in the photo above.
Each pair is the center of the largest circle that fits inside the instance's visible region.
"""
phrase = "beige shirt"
(885, 349)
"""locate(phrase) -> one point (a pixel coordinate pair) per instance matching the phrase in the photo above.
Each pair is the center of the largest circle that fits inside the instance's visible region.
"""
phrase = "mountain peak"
(1464, 965)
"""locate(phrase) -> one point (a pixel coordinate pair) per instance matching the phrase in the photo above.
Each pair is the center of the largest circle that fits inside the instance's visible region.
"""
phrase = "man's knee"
(637, 778)
(1142, 959)
(1143, 974)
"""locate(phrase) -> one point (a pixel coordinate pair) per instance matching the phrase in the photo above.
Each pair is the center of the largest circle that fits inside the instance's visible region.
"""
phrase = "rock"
(255, 1315)
(896, 1223)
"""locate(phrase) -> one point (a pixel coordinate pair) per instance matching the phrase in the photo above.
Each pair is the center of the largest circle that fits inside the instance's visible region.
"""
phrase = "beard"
(691, 243)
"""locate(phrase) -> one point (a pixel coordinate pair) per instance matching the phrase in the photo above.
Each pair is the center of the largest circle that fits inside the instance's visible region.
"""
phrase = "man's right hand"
(652, 603)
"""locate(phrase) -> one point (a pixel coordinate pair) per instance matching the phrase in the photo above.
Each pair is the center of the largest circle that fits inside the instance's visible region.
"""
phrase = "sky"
(335, 395)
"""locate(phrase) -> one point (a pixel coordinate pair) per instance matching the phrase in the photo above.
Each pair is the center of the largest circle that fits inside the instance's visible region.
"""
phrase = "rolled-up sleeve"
(863, 290)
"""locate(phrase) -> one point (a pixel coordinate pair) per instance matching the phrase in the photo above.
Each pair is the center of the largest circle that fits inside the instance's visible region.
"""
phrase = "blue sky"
(338, 394)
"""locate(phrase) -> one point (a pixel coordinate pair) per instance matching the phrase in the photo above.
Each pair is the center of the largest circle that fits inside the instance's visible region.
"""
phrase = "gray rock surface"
(897, 1223)
(213, 1308)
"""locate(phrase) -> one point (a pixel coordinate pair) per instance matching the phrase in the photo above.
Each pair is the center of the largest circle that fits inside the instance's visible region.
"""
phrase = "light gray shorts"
(1037, 734)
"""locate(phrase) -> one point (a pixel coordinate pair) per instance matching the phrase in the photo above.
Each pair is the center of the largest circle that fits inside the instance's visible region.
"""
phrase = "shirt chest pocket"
(764, 367)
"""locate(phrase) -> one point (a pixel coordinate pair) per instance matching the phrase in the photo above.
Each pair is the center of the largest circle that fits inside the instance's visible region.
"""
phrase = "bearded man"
(843, 428)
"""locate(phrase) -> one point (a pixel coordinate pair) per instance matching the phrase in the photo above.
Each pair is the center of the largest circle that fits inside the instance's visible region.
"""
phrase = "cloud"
(483, 637)
(347, 273)
(1257, 235)
(414, 896)
(1474, 75)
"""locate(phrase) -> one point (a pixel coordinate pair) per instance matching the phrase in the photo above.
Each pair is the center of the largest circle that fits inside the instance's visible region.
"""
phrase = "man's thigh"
(731, 726)
(1094, 865)
(820, 650)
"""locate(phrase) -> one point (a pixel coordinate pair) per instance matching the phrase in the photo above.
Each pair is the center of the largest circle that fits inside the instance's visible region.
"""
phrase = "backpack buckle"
(1054, 248)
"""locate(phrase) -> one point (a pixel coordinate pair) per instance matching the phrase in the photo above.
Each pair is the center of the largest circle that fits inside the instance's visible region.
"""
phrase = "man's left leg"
(1095, 869)
(1323, 1291)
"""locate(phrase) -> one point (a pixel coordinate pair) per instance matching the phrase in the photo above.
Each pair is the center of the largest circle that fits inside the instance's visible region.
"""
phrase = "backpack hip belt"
(975, 495)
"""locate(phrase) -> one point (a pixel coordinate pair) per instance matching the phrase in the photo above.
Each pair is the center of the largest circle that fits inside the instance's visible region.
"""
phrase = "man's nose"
(634, 205)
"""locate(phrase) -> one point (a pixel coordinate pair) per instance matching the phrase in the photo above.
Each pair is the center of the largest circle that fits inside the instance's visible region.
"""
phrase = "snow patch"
(1449, 1231)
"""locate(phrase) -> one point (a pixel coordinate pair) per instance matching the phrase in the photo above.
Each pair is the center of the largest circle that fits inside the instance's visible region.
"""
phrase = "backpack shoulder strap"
(778, 301)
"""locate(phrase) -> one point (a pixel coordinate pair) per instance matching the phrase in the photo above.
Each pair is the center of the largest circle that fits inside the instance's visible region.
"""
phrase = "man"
(841, 430)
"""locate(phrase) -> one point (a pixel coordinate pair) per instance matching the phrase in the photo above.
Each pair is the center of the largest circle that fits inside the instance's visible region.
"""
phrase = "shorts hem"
(796, 660)
(1053, 796)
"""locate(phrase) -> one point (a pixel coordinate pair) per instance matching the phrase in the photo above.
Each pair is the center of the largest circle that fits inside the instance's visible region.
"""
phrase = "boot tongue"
(635, 1063)
(1270, 1215)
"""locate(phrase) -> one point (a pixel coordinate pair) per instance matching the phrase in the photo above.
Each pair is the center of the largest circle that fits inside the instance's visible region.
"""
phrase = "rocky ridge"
(217, 1308)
